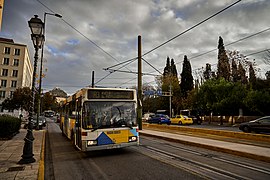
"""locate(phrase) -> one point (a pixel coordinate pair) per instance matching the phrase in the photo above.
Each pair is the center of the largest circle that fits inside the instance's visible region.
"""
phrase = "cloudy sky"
(97, 34)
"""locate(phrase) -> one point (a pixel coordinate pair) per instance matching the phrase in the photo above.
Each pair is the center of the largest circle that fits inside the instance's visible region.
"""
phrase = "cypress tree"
(186, 84)
(223, 61)
(167, 69)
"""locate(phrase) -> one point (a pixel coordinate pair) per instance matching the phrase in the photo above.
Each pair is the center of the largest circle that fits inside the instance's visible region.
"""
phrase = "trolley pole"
(139, 109)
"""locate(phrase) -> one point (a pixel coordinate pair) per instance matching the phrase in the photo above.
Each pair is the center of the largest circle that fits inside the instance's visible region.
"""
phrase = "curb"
(219, 149)
(41, 162)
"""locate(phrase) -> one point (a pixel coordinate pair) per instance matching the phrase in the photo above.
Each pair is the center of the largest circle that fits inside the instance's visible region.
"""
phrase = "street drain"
(18, 168)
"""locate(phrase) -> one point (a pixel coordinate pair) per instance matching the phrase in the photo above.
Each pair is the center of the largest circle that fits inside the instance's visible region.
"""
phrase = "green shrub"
(9, 126)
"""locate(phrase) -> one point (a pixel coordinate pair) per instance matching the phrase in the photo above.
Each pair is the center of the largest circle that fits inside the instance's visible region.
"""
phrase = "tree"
(48, 102)
(208, 72)
(258, 102)
(252, 76)
(223, 62)
(170, 82)
(242, 74)
(221, 97)
(235, 74)
(186, 84)
(21, 100)
(267, 75)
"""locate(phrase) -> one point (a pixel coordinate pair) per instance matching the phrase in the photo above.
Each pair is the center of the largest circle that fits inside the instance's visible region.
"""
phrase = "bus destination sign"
(109, 94)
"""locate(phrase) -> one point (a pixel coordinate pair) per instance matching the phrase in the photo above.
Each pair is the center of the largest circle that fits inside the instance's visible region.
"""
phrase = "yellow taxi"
(181, 119)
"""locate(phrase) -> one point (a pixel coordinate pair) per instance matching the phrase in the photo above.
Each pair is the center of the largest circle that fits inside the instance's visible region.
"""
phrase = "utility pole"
(93, 79)
(139, 109)
(170, 99)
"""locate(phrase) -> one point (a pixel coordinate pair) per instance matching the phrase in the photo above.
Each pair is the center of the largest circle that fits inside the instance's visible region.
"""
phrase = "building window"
(13, 84)
(16, 62)
(11, 94)
(6, 61)
(5, 72)
(17, 52)
(3, 83)
(7, 50)
(15, 73)
(2, 94)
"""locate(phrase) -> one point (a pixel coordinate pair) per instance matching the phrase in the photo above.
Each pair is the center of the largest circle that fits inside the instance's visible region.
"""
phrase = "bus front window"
(109, 114)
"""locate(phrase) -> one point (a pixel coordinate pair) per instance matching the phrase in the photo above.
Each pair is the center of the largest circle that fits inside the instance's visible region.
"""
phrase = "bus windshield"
(98, 115)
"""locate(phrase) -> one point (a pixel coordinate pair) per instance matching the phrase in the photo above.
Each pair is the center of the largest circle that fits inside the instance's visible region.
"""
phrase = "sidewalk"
(10, 154)
(244, 150)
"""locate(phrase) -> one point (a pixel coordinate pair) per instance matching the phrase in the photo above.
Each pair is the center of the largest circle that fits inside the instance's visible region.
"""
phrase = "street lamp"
(41, 62)
(37, 27)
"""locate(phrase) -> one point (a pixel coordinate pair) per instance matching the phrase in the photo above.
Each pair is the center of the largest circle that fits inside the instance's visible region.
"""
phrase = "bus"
(101, 118)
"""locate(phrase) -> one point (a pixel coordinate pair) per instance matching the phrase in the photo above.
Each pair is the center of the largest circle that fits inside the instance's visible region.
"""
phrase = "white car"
(147, 116)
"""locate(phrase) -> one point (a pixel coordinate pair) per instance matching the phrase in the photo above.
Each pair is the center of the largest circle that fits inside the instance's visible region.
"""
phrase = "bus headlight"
(91, 143)
(132, 138)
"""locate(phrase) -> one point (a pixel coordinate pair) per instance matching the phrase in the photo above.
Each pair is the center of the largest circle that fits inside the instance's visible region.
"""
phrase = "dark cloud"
(115, 25)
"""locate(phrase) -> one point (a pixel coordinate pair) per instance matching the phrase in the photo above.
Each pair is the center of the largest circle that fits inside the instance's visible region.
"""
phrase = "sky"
(93, 35)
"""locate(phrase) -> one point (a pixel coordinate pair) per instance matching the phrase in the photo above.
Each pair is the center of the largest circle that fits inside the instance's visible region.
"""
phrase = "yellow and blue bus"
(101, 118)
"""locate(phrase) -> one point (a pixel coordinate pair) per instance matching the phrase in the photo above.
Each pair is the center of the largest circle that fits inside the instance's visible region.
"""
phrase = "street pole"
(170, 99)
(93, 79)
(139, 109)
(41, 66)
(27, 156)
(36, 26)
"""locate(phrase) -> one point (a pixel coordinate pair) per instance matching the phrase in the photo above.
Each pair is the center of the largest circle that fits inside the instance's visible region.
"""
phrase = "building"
(1, 12)
(16, 69)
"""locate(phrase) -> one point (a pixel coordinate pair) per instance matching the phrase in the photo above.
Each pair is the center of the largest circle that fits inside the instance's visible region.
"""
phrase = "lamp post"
(41, 64)
(37, 27)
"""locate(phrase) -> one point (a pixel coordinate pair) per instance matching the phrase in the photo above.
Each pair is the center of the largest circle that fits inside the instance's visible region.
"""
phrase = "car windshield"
(108, 114)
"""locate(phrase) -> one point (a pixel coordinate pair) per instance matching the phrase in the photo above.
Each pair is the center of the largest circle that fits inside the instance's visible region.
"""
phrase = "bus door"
(78, 130)
(78, 122)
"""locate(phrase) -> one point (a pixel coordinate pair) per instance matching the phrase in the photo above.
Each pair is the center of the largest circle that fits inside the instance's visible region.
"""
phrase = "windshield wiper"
(122, 123)
(96, 128)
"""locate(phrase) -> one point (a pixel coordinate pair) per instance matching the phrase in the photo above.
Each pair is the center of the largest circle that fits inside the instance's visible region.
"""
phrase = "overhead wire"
(210, 17)
(95, 44)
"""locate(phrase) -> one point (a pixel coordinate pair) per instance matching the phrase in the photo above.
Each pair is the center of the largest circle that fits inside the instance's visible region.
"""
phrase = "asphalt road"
(63, 161)
(153, 159)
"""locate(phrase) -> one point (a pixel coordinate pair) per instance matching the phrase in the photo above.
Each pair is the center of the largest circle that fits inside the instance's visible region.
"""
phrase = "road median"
(226, 133)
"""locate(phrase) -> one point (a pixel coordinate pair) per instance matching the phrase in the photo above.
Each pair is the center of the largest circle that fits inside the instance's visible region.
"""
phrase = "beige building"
(1, 12)
(16, 69)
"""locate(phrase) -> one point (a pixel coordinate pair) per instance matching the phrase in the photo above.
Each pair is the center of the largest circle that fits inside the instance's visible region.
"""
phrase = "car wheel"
(180, 122)
(159, 122)
(246, 129)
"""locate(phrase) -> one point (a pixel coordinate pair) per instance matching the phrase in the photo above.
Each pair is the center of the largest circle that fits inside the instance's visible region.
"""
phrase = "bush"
(9, 126)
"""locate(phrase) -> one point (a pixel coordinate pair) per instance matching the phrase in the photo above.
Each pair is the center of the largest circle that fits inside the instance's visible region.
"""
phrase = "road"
(153, 159)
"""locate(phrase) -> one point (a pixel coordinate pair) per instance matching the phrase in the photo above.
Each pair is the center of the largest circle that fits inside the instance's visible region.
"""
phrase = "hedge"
(9, 126)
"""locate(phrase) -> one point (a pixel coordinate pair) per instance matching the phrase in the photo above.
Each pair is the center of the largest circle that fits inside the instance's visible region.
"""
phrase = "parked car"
(181, 119)
(196, 119)
(41, 122)
(159, 119)
(49, 113)
(147, 116)
(258, 125)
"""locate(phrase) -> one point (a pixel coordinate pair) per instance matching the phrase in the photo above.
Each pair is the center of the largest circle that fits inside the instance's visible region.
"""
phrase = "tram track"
(197, 161)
